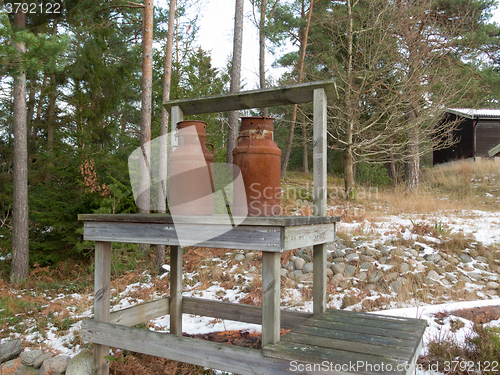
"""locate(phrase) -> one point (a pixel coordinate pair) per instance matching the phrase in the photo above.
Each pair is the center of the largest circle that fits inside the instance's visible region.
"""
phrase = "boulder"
(492, 285)
(81, 364)
(299, 263)
(350, 271)
(433, 275)
(239, 257)
(465, 258)
(339, 268)
(37, 362)
(28, 356)
(10, 349)
(353, 257)
(308, 267)
(55, 365)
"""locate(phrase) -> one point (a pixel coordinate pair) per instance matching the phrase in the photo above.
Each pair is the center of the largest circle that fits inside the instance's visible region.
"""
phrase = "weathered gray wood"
(202, 353)
(176, 115)
(350, 346)
(274, 221)
(292, 94)
(271, 280)
(355, 363)
(102, 280)
(242, 237)
(300, 236)
(377, 317)
(238, 312)
(495, 150)
(141, 313)
(319, 198)
(176, 290)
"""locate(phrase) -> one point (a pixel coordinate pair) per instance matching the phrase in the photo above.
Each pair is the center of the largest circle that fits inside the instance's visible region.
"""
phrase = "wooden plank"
(176, 290)
(390, 322)
(356, 362)
(319, 198)
(278, 221)
(176, 115)
(495, 150)
(377, 316)
(344, 328)
(242, 237)
(290, 94)
(300, 236)
(102, 281)
(141, 313)
(184, 349)
(271, 280)
(238, 312)
(350, 346)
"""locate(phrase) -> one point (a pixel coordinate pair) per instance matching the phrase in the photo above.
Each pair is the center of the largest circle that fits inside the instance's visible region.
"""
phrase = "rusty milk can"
(190, 170)
(259, 160)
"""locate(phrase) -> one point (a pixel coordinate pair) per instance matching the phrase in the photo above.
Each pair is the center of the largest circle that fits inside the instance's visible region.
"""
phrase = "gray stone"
(451, 278)
(239, 257)
(337, 253)
(362, 276)
(370, 252)
(283, 272)
(492, 285)
(289, 266)
(10, 349)
(353, 257)
(367, 258)
(81, 364)
(396, 286)
(399, 251)
(375, 277)
(392, 276)
(329, 272)
(479, 266)
(475, 275)
(385, 251)
(299, 264)
(371, 287)
(420, 267)
(350, 271)
(250, 255)
(338, 260)
(383, 260)
(482, 259)
(37, 362)
(445, 282)
(339, 268)
(433, 275)
(432, 257)
(252, 269)
(365, 266)
(404, 267)
(28, 356)
(337, 278)
(465, 258)
(9, 366)
(26, 370)
(57, 365)
(413, 252)
(429, 281)
(296, 274)
(308, 267)
(443, 263)
(307, 277)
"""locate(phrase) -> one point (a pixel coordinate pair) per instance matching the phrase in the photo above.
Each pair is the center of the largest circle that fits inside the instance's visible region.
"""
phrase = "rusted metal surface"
(259, 160)
(191, 164)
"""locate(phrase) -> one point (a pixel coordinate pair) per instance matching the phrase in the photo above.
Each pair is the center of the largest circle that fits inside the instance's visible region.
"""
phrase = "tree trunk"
(20, 226)
(262, 51)
(162, 188)
(412, 165)
(391, 169)
(232, 132)
(51, 114)
(304, 34)
(350, 188)
(145, 132)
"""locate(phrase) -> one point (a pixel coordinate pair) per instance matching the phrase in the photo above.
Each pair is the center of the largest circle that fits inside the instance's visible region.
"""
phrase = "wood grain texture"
(199, 352)
(271, 280)
(102, 280)
(176, 290)
(141, 313)
(284, 95)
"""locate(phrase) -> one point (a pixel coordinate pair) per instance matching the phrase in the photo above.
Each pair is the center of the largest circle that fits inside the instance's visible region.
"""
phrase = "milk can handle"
(209, 144)
(244, 136)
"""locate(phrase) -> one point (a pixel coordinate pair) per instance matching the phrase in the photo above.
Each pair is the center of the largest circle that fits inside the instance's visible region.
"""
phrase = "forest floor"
(434, 254)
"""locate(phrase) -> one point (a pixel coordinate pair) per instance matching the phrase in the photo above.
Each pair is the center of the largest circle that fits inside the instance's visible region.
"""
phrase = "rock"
(375, 277)
(385, 251)
(353, 257)
(367, 258)
(465, 258)
(57, 365)
(443, 263)
(308, 267)
(413, 252)
(479, 266)
(338, 260)
(337, 253)
(250, 255)
(396, 286)
(28, 356)
(482, 259)
(26, 370)
(365, 266)
(362, 276)
(329, 272)
(451, 278)
(392, 276)
(81, 364)
(370, 252)
(37, 362)
(404, 267)
(10, 366)
(307, 277)
(239, 257)
(468, 269)
(283, 272)
(429, 281)
(337, 278)
(339, 268)
(252, 269)
(299, 264)
(371, 287)
(296, 274)
(433, 275)
(289, 266)
(383, 260)
(492, 285)
(350, 271)
(10, 349)
(420, 267)
(432, 257)
(445, 282)
(475, 275)
(398, 251)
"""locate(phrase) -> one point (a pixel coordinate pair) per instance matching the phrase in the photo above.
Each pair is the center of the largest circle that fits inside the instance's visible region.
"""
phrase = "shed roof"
(473, 113)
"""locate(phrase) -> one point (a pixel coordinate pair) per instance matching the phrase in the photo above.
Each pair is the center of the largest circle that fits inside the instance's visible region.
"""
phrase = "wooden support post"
(101, 300)
(176, 115)
(270, 297)
(319, 198)
(176, 290)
